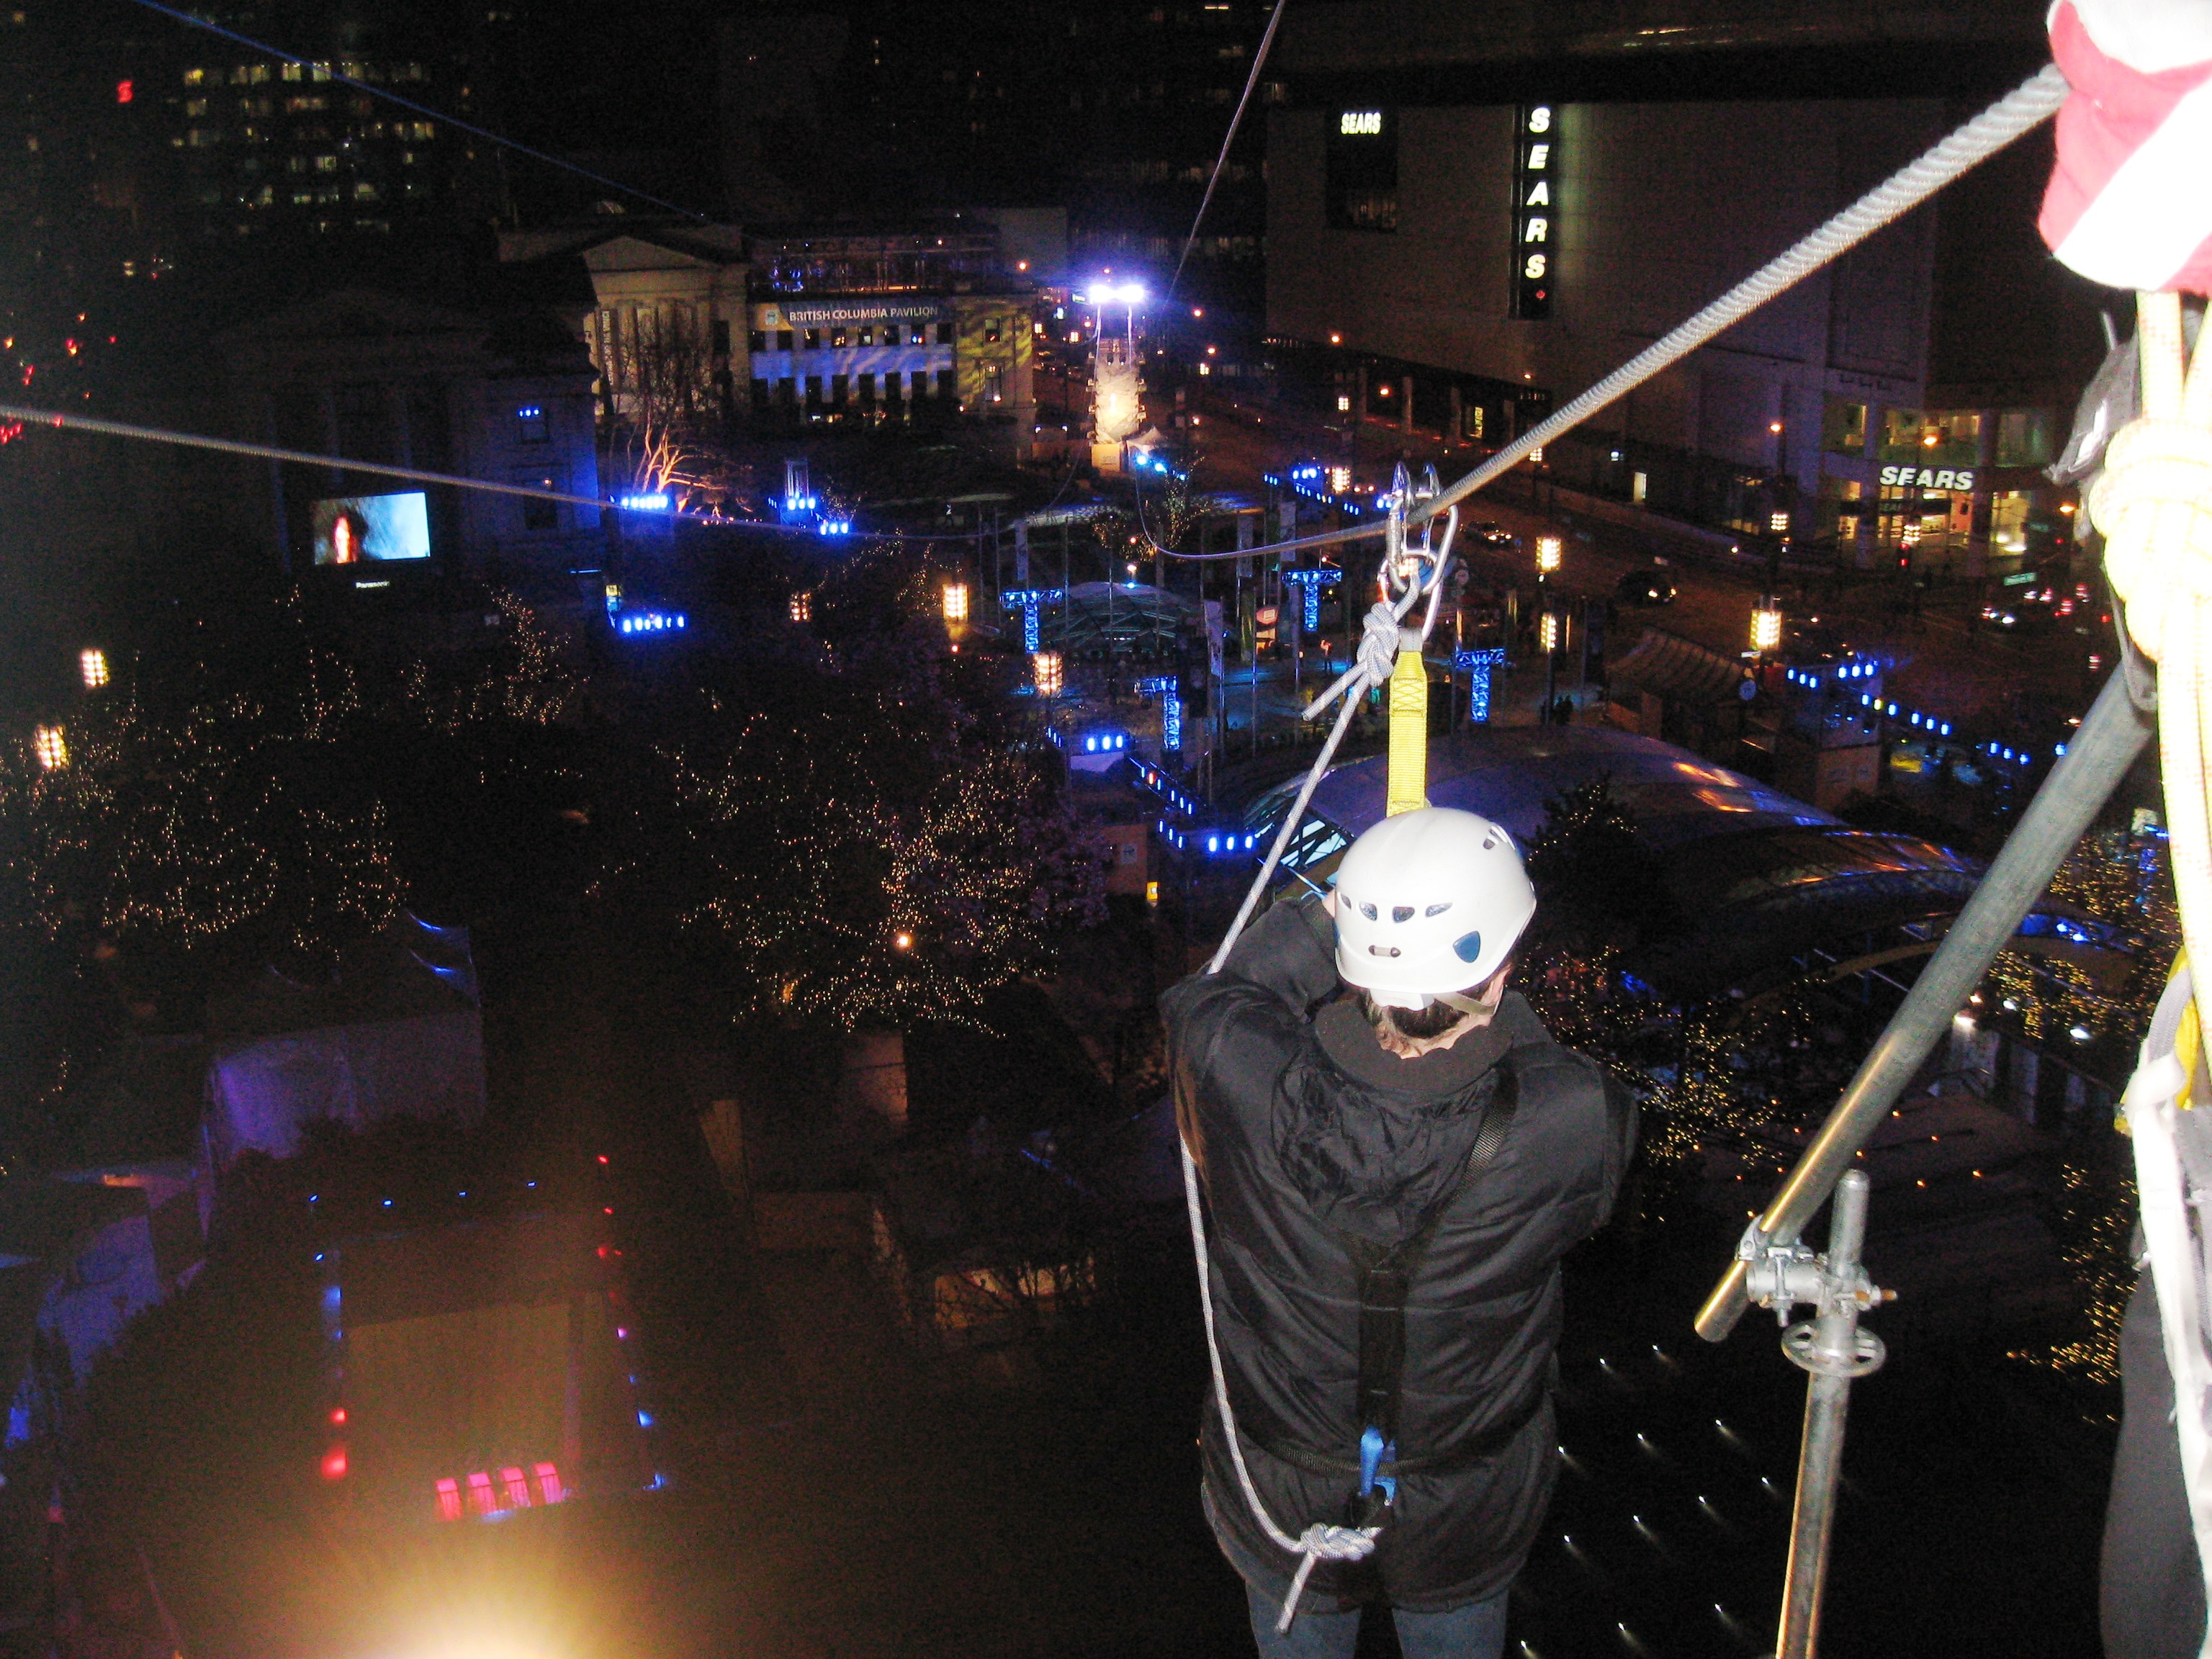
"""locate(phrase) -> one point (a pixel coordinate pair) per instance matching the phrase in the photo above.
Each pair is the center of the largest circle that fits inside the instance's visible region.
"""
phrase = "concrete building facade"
(1459, 253)
(503, 395)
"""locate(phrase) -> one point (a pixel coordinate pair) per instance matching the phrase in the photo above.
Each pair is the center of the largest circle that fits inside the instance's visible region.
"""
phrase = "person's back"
(1438, 1163)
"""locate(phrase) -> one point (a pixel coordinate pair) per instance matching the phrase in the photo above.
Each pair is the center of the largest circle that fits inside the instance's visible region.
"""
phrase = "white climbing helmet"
(1428, 904)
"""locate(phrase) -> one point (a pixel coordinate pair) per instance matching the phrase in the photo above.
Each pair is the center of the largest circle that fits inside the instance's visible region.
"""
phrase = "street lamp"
(47, 745)
(1044, 667)
(93, 665)
(1767, 625)
(1548, 557)
(955, 602)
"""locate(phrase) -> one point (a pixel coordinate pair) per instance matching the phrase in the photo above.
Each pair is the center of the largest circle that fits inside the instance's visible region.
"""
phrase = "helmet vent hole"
(1401, 913)
(1368, 911)
(1381, 950)
(1467, 947)
(1437, 909)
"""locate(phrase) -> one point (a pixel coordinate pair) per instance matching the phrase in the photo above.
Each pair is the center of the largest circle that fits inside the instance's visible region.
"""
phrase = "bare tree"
(665, 432)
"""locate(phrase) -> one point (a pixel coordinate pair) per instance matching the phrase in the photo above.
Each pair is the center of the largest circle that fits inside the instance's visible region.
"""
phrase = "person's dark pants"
(1474, 1630)
(2153, 1586)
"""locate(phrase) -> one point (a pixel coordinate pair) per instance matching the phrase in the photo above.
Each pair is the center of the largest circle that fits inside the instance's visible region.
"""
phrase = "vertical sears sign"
(1535, 219)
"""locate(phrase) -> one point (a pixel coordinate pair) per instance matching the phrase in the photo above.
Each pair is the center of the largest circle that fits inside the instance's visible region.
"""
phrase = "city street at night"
(1033, 832)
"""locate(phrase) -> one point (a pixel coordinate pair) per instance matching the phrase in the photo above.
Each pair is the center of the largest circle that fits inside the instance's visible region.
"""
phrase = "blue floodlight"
(652, 622)
(654, 500)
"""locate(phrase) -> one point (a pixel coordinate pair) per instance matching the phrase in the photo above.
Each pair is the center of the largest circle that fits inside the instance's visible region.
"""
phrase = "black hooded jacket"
(1306, 1130)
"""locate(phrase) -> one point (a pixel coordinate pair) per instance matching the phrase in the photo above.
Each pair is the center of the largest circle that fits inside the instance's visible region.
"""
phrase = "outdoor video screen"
(373, 529)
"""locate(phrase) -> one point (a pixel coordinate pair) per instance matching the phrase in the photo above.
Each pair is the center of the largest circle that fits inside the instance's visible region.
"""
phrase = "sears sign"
(1929, 477)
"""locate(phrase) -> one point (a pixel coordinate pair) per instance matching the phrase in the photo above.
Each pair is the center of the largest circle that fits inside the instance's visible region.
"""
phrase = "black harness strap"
(1386, 1275)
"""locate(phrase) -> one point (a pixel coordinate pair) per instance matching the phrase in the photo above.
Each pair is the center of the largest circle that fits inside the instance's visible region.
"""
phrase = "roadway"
(1943, 659)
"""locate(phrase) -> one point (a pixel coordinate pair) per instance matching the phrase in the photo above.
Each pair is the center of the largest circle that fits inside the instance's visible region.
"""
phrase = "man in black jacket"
(1393, 1178)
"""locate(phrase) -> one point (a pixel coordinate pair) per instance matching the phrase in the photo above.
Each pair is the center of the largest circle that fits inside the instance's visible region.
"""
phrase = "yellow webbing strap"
(1408, 789)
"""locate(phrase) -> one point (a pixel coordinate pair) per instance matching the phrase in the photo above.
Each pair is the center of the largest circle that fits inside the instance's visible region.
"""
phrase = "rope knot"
(2154, 504)
(1378, 643)
(1328, 1543)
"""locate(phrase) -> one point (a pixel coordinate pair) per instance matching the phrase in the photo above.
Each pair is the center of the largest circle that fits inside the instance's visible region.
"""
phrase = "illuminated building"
(668, 301)
(929, 321)
(1920, 384)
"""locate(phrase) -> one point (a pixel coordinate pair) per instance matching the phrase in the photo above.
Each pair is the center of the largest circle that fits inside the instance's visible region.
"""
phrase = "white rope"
(1319, 1542)
(2032, 102)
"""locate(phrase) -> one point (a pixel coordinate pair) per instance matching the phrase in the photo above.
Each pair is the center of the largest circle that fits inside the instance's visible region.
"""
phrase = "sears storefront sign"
(1924, 478)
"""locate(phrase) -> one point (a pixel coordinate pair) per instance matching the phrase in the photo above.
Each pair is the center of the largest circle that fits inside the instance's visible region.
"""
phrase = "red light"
(549, 1482)
(609, 1210)
(449, 1500)
(480, 1497)
(518, 1489)
(602, 1157)
(334, 1463)
(339, 1414)
(124, 92)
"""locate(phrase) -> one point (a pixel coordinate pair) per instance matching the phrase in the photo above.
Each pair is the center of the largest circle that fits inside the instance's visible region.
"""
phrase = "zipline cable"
(389, 96)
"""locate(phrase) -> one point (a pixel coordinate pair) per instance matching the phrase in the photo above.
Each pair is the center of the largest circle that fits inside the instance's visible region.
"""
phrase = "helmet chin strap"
(1465, 1004)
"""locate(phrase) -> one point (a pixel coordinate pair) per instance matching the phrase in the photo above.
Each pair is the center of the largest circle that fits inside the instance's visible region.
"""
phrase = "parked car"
(1645, 587)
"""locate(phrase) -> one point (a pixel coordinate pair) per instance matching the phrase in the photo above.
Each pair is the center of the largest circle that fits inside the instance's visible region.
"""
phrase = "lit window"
(196, 106)
(365, 191)
(449, 1500)
(196, 77)
(326, 164)
(480, 1497)
(293, 71)
(517, 1488)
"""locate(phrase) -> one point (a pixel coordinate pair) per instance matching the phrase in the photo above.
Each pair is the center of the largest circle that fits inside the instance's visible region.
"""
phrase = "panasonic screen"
(372, 529)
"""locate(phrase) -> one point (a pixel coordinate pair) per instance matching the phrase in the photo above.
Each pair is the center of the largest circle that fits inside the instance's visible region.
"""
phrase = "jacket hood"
(1376, 1144)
